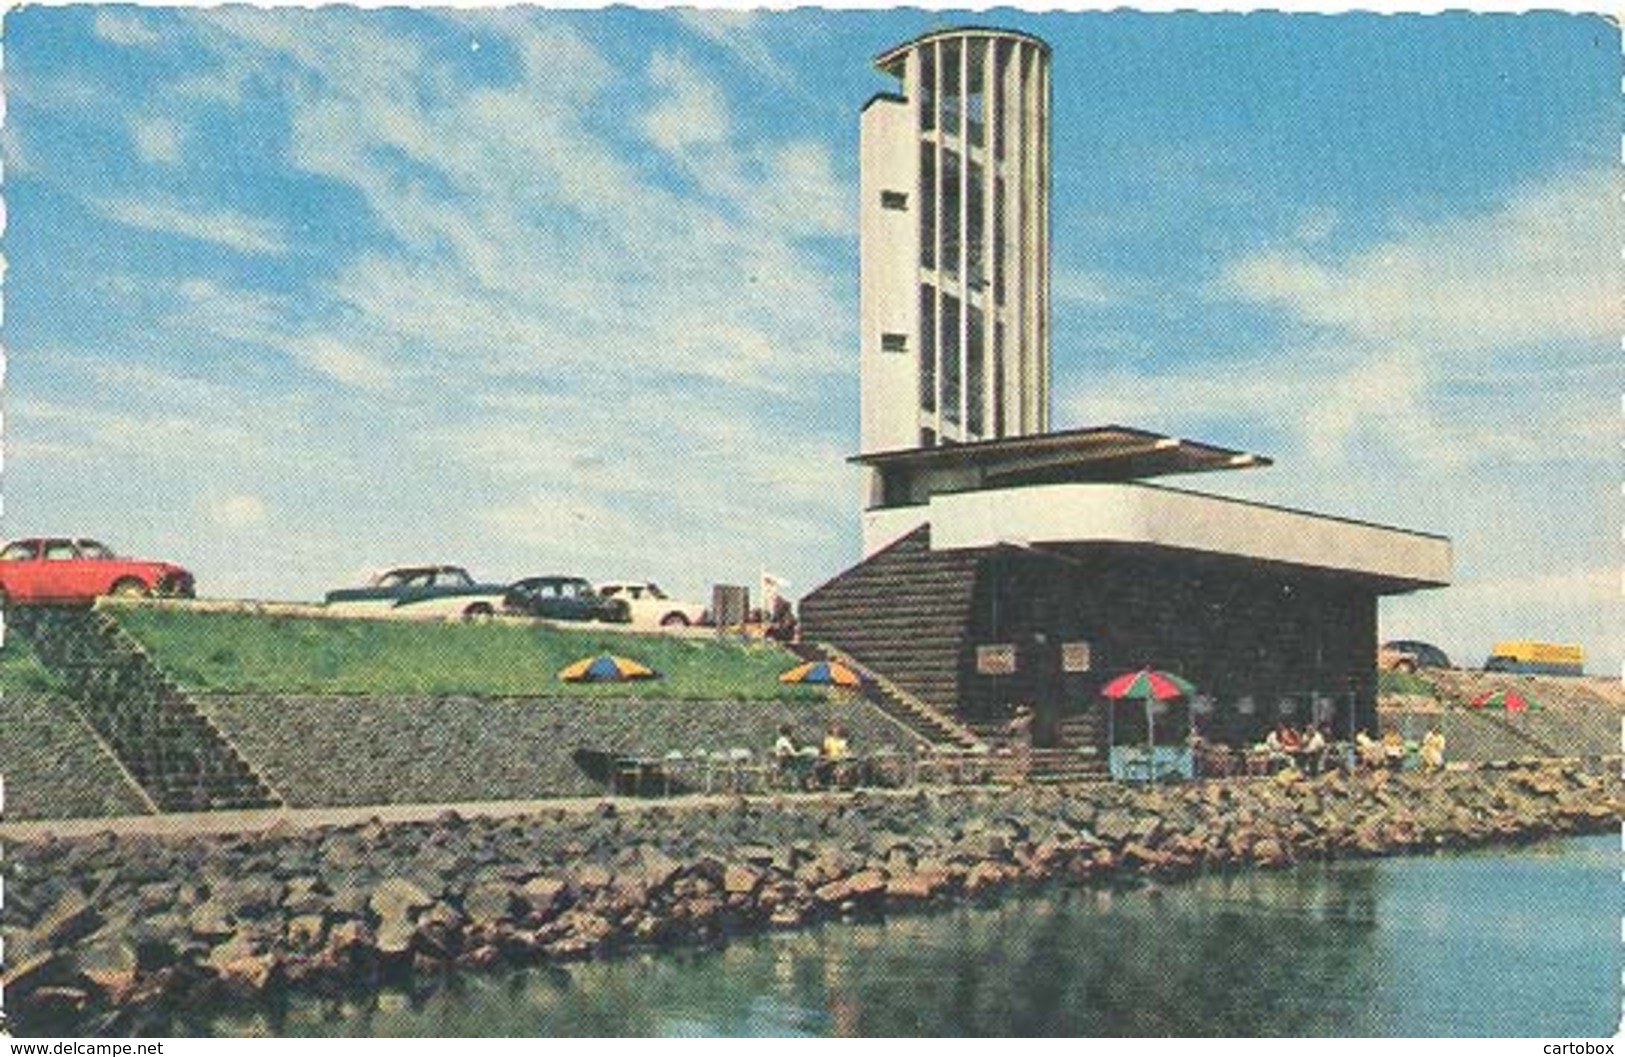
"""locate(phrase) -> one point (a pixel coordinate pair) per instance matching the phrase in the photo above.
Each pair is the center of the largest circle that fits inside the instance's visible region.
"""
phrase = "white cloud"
(237, 511)
(1085, 289)
(157, 140)
(1464, 342)
(1544, 267)
(125, 27)
(343, 364)
(234, 231)
(691, 112)
(740, 32)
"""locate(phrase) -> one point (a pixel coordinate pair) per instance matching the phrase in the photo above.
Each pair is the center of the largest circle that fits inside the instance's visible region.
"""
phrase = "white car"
(650, 605)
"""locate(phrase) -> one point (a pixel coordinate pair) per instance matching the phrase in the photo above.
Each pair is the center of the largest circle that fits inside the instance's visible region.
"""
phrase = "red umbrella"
(1511, 700)
(1151, 686)
(1163, 686)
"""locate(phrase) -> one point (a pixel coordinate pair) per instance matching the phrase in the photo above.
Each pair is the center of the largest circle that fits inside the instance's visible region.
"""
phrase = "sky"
(291, 295)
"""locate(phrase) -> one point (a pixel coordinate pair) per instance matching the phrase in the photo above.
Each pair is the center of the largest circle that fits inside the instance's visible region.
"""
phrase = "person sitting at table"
(1282, 744)
(1433, 749)
(1314, 750)
(793, 762)
(1393, 749)
(1368, 749)
(833, 760)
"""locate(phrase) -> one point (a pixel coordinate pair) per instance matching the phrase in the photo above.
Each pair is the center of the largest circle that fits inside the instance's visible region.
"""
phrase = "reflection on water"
(1522, 943)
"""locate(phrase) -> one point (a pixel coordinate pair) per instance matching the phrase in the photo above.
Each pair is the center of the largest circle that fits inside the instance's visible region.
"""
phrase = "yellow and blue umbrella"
(606, 668)
(823, 673)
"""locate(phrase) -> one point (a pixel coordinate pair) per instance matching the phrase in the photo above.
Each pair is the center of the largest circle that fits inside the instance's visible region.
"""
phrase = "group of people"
(1303, 750)
(807, 766)
(1390, 750)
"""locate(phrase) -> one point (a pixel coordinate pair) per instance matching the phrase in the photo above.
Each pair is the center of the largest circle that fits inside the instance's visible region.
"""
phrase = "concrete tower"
(954, 242)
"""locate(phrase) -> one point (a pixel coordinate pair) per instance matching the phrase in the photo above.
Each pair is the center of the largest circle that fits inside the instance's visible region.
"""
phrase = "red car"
(45, 570)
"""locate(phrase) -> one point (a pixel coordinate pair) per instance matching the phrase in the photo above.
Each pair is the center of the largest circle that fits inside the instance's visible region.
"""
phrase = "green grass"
(272, 654)
(21, 670)
(1389, 682)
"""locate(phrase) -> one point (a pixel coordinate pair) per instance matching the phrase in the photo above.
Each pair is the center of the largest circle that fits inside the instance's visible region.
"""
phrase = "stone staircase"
(174, 753)
(929, 723)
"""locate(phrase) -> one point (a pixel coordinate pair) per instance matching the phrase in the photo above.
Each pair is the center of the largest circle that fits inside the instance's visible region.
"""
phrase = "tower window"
(897, 200)
(894, 343)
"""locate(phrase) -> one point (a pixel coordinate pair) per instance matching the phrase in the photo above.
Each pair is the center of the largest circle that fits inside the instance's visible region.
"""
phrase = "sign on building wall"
(1074, 656)
(998, 659)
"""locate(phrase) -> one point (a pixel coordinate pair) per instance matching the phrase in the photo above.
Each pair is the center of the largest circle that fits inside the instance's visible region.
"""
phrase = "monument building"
(1005, 563)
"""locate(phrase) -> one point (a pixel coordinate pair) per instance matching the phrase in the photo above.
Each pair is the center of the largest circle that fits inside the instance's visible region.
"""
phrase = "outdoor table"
(635, 770)
(885, 767)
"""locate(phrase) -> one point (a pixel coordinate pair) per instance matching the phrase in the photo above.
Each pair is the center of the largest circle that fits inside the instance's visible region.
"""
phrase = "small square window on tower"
(897, 200)
(894, 343)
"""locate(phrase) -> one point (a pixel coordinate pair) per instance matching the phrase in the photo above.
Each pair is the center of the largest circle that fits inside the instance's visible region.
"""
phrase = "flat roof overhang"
(889, 58)
(1100, 453)
(1060, 518)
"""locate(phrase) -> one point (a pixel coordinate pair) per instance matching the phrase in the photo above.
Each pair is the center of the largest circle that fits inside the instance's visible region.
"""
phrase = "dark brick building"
(1033, 569)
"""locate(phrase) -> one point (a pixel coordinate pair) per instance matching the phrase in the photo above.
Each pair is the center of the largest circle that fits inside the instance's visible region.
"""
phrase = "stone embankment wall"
(110, 934)
(332, 750)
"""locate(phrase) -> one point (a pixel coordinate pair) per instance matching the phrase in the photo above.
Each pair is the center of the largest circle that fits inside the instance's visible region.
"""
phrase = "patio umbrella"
(1149, 686)
(1511, 700)
(822, 673)
(606, 668)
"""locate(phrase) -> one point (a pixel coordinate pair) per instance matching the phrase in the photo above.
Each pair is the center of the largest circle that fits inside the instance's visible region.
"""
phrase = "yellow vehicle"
(1536, 658)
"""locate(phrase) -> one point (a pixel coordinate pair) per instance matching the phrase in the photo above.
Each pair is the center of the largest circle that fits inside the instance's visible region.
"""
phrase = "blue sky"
(291, 295)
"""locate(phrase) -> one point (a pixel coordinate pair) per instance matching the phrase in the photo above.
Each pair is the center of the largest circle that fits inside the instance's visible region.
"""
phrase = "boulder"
(398, 898)
(305, 932)
(108, 961)
(211, 920)
(70, 918)
(490, 902)
(1115, 826)
(1270, 852)
(544, 894)
(741, 880)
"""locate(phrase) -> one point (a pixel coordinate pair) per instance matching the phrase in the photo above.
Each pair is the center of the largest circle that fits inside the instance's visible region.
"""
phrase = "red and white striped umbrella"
(1145, 683)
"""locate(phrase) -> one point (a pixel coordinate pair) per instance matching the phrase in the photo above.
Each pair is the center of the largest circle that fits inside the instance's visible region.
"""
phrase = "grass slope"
(21, 671)
(236, 652)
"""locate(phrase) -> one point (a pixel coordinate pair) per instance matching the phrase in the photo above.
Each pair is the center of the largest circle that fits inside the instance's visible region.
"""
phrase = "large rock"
(490, 902)
(398, 898)
(545, 895)
(71, 917)
(741, 880)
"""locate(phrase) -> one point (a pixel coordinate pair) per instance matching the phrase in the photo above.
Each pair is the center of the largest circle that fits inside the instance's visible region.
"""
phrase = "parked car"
(1407, 655)
(421, 591)
(60, 571)
(650, 606)
(564, 598)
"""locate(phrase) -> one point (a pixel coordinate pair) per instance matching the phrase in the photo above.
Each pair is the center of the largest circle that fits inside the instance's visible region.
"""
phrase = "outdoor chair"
(673, 767)
(887, 767)
(745, 774)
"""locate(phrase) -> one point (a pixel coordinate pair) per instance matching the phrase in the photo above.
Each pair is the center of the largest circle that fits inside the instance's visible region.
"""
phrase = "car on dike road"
(650, 606)
(57, 570)
(564, 598)
(1407, 655)
(420, 591)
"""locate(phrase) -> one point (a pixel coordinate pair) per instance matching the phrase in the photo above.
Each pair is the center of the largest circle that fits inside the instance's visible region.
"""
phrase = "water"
(1523, 942)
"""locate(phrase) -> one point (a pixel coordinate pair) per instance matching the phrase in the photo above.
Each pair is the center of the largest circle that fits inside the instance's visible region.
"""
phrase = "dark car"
(434, 591)
(564, 598)
(1412, 655)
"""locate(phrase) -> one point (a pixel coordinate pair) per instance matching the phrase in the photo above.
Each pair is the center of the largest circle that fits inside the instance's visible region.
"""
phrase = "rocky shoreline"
(116, 934)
